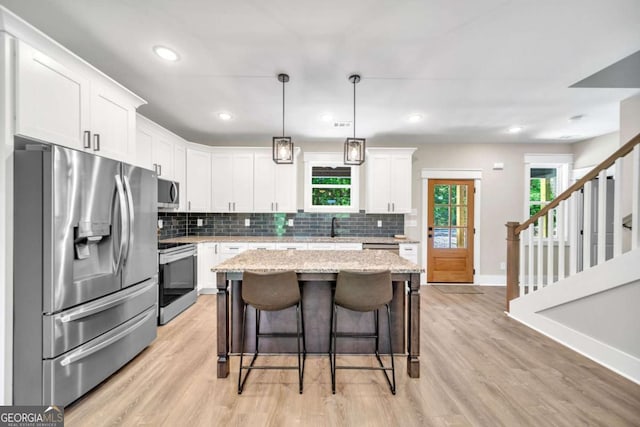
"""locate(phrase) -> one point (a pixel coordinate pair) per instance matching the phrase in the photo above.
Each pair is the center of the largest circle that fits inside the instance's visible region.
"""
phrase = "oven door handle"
(91, 310)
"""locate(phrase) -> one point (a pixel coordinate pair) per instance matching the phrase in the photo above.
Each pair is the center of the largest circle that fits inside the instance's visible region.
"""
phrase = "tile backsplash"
(179, 224)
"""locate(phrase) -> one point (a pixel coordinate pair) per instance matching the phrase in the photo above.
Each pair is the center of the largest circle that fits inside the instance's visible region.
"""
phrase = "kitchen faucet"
(333, 226)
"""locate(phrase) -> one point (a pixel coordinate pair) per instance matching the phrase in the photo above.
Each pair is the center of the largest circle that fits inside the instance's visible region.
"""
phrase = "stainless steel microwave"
(168, 194)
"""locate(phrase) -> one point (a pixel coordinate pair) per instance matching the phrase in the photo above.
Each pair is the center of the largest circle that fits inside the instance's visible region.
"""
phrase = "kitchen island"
(317, 272)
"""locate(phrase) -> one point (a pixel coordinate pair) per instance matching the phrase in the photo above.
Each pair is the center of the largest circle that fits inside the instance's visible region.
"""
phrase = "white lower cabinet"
(296, 246)
(409, 251)
(229, 250)
(262, 246)
(207, 259)
(348, 246)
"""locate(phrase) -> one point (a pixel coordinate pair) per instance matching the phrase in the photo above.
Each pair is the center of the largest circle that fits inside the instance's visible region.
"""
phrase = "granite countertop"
(286, 239)
(317, 262)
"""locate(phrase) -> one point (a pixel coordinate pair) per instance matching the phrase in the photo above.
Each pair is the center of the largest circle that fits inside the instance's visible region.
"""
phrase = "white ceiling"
(471, 67)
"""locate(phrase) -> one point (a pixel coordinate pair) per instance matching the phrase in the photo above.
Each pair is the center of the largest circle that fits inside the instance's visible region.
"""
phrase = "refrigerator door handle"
(84, 353)
(132, 219)
(81, 314)
(124, 232)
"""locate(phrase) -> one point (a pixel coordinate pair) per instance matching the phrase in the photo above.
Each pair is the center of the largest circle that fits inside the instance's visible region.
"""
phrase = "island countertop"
(317, 262)
(287, 239)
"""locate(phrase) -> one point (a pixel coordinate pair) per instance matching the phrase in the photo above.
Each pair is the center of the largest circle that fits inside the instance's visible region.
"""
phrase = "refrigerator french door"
(85, 270)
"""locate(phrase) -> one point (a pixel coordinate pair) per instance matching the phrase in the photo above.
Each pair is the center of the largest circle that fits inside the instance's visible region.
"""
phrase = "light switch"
(379, 223)
(159, 223)
(199, 222)
(290, 222)
(247, 222)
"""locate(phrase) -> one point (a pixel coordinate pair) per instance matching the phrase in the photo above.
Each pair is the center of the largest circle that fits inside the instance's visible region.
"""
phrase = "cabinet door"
(286, 187)
(163, 156)
(207, 258)
(180, 173)
(198, 181)
(113, 123)
(264, 185)
(242, 182)
(378, 183)
(52, 101)
(400, 184)
(222, 176)
(144, 142)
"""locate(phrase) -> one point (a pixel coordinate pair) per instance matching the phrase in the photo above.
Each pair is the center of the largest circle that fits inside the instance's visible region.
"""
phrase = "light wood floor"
(478, 367)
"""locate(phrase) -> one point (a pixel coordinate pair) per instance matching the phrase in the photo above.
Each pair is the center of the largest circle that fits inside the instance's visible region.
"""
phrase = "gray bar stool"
(272, 292)
(363, 292)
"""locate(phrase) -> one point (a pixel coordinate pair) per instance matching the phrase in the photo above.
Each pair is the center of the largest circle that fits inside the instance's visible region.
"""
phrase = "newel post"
(513, 261)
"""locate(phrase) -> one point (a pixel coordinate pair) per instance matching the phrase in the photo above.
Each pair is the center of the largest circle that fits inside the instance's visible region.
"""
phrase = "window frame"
(312, 160)
(563, 164)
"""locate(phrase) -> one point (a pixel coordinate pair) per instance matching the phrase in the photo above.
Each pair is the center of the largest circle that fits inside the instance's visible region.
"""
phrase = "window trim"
(563, 163)
(330, 160)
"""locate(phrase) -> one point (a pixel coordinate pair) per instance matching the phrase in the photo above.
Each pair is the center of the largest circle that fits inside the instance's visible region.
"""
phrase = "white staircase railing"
(582, 218)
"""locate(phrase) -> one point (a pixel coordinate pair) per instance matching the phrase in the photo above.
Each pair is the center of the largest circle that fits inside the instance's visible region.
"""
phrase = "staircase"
(581, 287)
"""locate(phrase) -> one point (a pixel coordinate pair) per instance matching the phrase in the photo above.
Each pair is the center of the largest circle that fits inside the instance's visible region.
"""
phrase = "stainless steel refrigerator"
(85, 270)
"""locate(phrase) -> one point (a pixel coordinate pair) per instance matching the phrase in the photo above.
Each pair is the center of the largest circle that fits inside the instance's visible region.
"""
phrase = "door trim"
(431, 173)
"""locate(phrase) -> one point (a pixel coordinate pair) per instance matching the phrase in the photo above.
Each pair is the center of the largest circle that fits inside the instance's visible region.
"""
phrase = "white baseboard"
(490, 280)
(208, 291)
(478, 279)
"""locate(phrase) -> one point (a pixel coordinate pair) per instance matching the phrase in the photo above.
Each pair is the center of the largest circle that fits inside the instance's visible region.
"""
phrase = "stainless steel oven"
(178, 278)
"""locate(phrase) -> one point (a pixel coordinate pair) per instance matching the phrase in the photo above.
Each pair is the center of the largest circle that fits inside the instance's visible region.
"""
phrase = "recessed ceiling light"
(515, 129)
(225, 116)
(326, 117)
(576, 117)
(415, 118)
(569, 136)
(165, 53)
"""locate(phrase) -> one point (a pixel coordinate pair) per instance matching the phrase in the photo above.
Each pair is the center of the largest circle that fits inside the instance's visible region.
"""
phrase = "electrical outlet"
(290, 222)
(199, 222)
(247, 222)
(159, 223)
(503, 266)
(379, 223)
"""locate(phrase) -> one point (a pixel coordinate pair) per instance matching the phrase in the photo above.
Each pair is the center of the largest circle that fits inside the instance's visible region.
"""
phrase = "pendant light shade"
(282, 145)
(354, 147)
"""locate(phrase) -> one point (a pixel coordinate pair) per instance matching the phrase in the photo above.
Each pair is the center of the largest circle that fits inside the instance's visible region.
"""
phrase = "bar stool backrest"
(363, 291)
(270, 291)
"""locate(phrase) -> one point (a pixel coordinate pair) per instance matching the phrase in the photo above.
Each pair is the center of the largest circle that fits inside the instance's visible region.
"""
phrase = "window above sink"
(330, 185)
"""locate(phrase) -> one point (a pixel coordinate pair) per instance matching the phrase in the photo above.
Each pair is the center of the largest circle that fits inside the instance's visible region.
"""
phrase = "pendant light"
(282, 145)
(354, 147)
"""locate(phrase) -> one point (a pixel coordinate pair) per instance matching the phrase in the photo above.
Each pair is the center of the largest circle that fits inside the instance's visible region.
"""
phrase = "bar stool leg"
(393, 367)
(244, 318)
(332, 355)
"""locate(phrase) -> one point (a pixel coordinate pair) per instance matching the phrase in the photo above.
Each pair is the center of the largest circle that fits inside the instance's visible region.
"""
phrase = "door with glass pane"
(450, 231)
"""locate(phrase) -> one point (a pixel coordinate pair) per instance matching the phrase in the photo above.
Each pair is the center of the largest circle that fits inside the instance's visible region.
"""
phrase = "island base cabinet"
(316, 300)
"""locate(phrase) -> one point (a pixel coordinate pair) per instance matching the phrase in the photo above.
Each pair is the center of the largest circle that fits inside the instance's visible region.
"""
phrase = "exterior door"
(450, 231)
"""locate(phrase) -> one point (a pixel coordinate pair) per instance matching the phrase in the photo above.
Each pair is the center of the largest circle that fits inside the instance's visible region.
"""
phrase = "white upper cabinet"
(62, 100)
(389, 180)
(180, 172)
(52, 101)
(232, 180)
(274, 185)
(198, 194)
(113, 124)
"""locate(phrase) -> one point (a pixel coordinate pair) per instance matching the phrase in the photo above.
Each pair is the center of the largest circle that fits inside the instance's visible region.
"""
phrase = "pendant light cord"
(283, 82)
(354, 108)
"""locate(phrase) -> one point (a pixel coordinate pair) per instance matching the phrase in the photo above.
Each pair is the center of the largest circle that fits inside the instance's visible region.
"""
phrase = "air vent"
(343, 124)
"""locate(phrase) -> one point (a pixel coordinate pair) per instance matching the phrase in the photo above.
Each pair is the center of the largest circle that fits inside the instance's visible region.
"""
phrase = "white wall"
(590, 152)
(6, 221)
